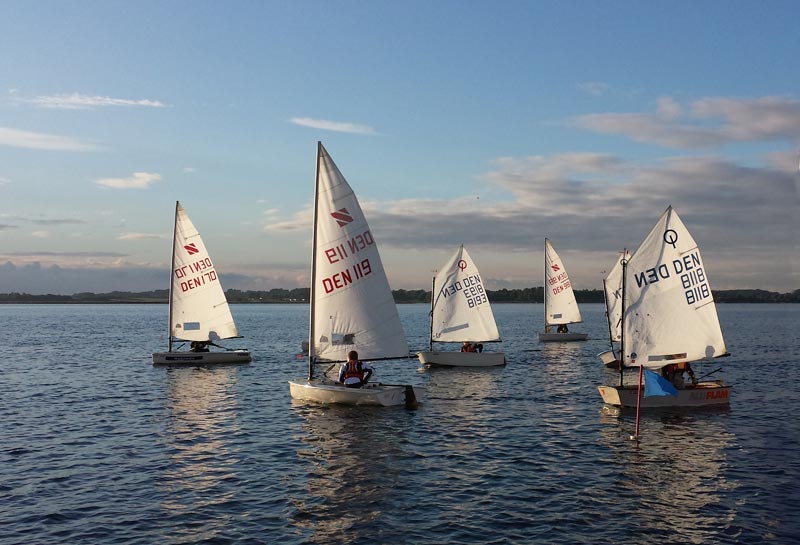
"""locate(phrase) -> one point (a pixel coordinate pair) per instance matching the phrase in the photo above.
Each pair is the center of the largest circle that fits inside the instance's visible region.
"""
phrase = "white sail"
(670, 315)
(461, 310)
(352, 305)
(198, 308)
(612, 285)
(560, 306)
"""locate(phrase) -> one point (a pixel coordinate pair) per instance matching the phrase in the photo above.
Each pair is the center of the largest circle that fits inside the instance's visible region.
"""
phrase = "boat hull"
(704, 394)
(331, 393)
(562, 337)
(201, 358)
(462, 359)
(609, 359)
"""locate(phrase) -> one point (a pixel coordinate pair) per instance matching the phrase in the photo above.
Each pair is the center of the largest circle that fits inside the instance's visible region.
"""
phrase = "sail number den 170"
(471, 287)
(204, 270)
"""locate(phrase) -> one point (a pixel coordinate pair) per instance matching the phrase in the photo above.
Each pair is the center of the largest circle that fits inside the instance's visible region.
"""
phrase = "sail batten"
(461, 310)
(198, 308)
(669, 315)
(352, 303)
(560, 306)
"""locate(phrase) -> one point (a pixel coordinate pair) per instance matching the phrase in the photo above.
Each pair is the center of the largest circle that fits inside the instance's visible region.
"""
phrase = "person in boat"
(467, 347)
(199, 346)
(674, 373)
(353, 373)
(562, 328)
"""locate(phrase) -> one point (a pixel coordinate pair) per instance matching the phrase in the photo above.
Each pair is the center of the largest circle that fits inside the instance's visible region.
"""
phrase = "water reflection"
(357, 460)
(676, 474)
(203, 416)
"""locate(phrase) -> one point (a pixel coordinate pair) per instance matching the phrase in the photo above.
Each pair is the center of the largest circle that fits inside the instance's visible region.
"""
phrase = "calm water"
(97, 446)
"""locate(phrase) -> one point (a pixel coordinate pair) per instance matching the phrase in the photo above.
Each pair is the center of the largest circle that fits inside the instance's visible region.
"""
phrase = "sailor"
(467, 347)
(353, 373)
(562, 328)
(199, 346)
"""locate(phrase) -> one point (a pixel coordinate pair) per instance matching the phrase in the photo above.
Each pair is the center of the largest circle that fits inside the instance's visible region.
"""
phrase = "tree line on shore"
(301, 295)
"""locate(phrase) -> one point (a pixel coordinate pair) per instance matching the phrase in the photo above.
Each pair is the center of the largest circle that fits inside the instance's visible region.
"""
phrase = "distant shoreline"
(300, 296)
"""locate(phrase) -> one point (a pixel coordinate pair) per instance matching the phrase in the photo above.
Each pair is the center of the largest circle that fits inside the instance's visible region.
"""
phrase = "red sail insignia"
(342, 217)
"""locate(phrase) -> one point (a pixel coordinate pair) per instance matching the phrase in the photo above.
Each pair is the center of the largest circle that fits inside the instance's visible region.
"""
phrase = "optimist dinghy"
(461, 313)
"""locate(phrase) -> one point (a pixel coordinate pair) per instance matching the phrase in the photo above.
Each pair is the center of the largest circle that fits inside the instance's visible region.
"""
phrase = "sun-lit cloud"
(593, 205)
(77, 101)
(336, 126)
(711, 121)
(299, 221)
(140, 236)
(41, 234)
(42, 141)
(4, 181)
(42, 255)
(139, 180)
(188, 170)
(53, 221)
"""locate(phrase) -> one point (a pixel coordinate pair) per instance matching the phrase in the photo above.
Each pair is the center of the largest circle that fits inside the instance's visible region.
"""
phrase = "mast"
(608, 318)
(171, 273)
(544, 288)
(622, 318)
(433, 293)
(311, 315)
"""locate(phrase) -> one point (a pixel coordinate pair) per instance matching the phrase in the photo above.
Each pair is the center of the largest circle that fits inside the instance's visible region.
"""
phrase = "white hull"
(609, 359)
(705, 394)
(381, 395)
(201, 358)
(462, 359)
(562, 337)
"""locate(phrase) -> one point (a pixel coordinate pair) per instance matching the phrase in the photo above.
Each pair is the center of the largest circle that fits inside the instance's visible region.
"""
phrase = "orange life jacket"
(354, 370)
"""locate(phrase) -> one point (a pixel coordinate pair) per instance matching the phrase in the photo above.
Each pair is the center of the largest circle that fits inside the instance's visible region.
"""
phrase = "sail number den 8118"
(689, 268)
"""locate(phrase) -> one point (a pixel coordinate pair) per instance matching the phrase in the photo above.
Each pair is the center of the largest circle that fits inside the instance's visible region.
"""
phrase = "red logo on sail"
(191, 248)
(342, 217)
(555, 267)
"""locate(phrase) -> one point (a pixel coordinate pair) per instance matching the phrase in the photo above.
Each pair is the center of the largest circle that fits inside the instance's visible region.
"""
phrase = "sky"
(488, 124)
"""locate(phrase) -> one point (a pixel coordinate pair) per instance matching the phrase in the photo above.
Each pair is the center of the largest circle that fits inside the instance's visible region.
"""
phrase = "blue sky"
(492, 124)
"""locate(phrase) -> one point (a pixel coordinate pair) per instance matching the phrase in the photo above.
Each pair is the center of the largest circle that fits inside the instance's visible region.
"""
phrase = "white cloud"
(712, 121)
(300, 220)
(667, 108)
(335, 126)
(139, 180)
(77, 101)
(593, 205)
(41, 234)
(4, 181)
(595, 88)
(188, 170)
(140, 236)
(36, 140)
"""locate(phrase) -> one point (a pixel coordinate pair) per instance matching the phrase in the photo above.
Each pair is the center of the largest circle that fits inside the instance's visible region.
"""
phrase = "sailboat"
(560, 307)
(612, 296)
(668, 318)
(460, 312)
(352, 308)
(198, 310)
